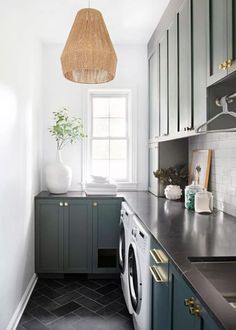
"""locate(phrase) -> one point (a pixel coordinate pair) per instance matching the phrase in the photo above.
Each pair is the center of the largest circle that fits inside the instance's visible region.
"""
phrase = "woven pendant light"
(89, 56)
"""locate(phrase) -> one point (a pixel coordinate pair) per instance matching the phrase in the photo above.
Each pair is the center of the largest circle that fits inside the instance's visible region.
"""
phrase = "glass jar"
(190, 192)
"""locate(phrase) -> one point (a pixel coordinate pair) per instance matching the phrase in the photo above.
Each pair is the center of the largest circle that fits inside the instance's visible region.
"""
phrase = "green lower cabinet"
(106, 220)
(78, 236)
(159, 267)
(49, 236)
(186, 312)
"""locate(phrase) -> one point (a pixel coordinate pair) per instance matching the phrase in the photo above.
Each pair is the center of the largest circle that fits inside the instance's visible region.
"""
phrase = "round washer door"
(134, 277)
(122, 248)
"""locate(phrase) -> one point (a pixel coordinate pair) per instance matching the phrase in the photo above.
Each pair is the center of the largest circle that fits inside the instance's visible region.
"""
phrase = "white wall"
(19, 151)
(59, 92)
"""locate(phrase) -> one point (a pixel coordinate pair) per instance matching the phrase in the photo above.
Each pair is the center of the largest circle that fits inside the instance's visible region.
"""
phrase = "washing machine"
(138, 276)
(124, 241)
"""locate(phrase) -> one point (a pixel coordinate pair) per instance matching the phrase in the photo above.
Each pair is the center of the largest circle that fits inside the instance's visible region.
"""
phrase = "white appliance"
(139, 277)
(124, 241)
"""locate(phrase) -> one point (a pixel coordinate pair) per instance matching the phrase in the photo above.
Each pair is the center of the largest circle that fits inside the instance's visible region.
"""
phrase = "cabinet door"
(231, 11)
(180, 315)
(106, 220)
(199, 44)
(154, 96)
(163, 54)
(49, 236)
(78, 236)
(217, 39)
(185, 66)
(153, 166)
(172, 78)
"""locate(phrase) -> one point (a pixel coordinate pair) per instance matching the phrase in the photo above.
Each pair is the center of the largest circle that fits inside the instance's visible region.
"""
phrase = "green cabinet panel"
(180, 315)
(49, 236)
(185, 65)
(106, 221)
(199, 44)
(221, 23)
(160, 291)
(163, 60)
(173, 77)
(217, 39)
(153, 166)
(154, 95)
(78, 236)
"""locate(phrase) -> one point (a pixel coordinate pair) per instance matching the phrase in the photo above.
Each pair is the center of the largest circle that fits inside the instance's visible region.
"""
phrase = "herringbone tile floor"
(76, 304)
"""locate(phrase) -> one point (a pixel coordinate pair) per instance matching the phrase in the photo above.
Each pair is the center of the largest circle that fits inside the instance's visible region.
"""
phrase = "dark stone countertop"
(183, 234)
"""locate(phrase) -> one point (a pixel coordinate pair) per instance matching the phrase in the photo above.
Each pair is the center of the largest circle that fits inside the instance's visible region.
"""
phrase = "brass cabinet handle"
(189, 301)
(95, 204)
(229, 63)
(195, 310)
(158, 277)
(158, 256)
(66, 204)
(60, 204)
(223, 66)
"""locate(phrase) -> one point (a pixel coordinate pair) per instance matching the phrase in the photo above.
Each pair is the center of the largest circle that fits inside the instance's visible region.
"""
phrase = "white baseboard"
(22, 304)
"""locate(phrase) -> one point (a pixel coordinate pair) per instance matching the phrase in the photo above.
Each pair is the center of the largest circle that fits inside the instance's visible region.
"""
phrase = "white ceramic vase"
(173, 192)
(58, 176)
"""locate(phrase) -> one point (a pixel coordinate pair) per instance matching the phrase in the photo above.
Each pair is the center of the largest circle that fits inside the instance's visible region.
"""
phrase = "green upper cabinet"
(184, 17)
(106, 227)
(172, 77)
(221, 39)
(154, 95)
(199, 61)
(163, 60)
(49, 236)
(78, 236)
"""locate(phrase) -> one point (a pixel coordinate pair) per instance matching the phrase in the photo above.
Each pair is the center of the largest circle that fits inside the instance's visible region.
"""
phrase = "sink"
(221, 272)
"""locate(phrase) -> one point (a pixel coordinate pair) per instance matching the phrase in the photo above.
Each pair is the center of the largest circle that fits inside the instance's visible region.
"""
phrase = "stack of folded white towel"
(100, 186)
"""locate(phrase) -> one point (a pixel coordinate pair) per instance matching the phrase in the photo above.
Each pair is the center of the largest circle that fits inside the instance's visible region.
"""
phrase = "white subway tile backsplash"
(223, 168)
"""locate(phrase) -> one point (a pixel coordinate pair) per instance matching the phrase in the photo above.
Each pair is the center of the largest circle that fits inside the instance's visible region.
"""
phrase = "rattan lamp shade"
(89, 56)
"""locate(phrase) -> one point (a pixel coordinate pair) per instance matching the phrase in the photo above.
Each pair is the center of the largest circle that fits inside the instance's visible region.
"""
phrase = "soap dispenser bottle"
(190, 192)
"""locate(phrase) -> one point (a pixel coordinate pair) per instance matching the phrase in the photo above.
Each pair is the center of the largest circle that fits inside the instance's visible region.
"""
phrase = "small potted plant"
(173, 180)
(66, 130)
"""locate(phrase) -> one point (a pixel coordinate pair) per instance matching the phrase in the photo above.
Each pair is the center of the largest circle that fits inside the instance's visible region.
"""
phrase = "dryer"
(124, 241)
(139, 276)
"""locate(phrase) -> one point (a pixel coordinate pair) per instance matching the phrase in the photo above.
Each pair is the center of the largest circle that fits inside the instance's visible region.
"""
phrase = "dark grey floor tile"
(108, 298)
(43, 315)
(86, 313)
(90, 284)
(66, 309)
(25, 317)
(107, 288)
(89, 303)
(124, 312)
(110, 309)
(20, 327)
(73, 286)
(121, 300)
(35, 325)
(53, 284)
(70, 296)
(96, 323)
(89, 293)
(31, 305)
(65, 323)
(50, 293)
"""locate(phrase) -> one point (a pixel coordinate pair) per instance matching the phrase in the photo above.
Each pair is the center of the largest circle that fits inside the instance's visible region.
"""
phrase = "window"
(110, 136)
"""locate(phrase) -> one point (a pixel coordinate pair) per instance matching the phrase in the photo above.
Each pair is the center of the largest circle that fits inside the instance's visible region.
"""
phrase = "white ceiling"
(128, 21)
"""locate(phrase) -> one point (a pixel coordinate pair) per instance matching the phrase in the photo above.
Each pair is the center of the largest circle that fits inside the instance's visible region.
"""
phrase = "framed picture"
(200, 167)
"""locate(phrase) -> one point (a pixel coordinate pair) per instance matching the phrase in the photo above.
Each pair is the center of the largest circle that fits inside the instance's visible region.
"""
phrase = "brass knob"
(223, 66)
(195, 310)
(229, 63)
(95, 204)
(189, 301)
(60, 204)
(66, 204)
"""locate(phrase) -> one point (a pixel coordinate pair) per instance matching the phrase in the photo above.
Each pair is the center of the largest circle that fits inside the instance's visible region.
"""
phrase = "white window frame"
(131, 182)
